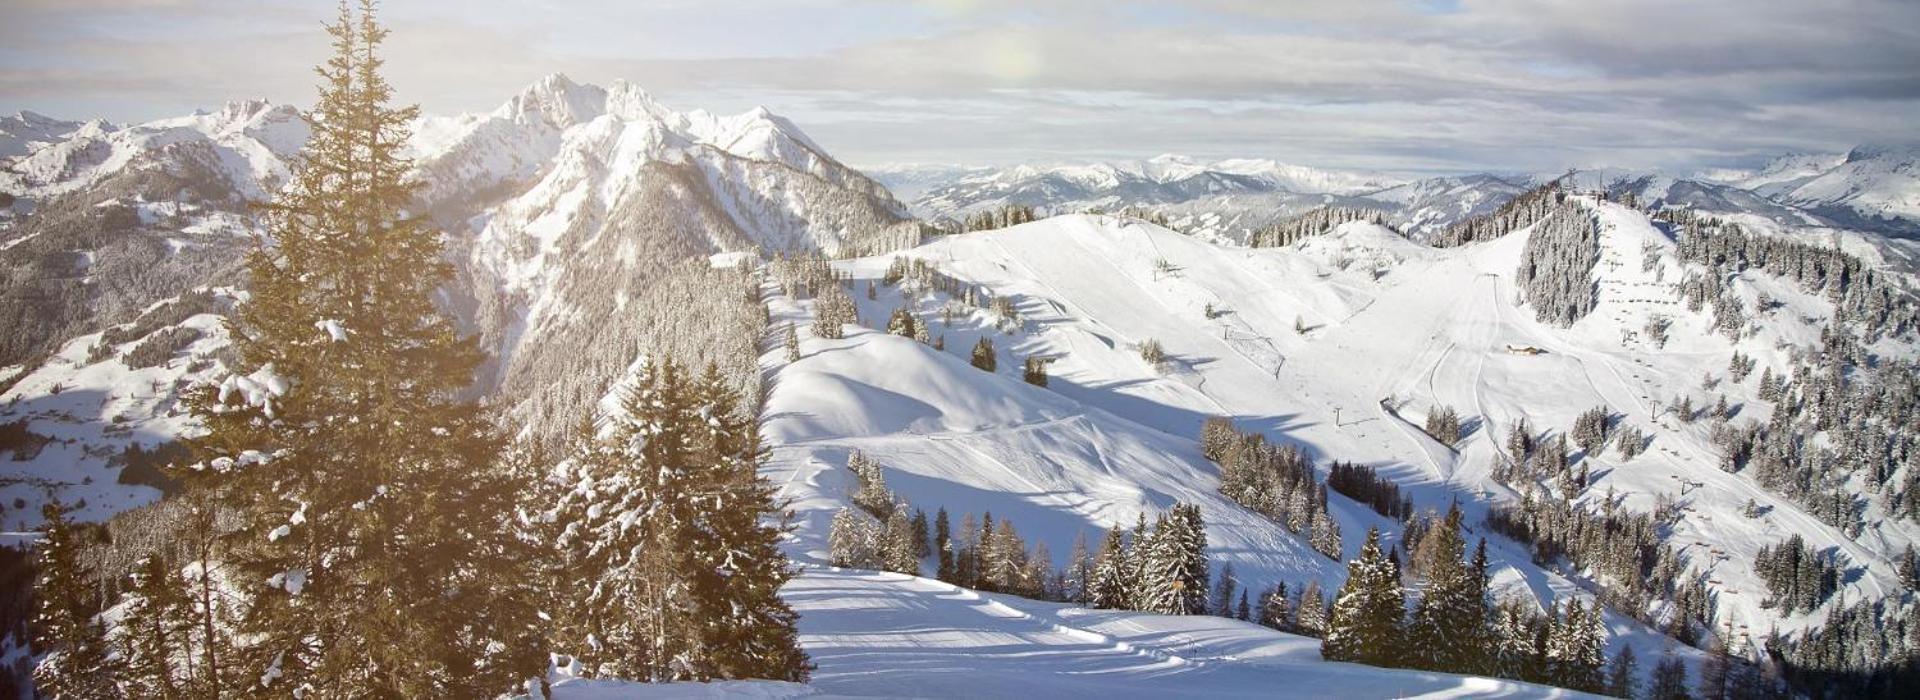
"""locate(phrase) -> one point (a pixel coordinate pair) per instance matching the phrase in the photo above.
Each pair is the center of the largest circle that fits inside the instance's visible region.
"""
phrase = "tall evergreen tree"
(943, 542)
(374, 531)
(1366, 612)
(1311, 616)
(153, 627)
(1447, 628)
(76, 664)
(1107, 587)
(664, 524)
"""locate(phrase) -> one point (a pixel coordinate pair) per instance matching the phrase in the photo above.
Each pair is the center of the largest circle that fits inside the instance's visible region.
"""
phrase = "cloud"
(1475, 84)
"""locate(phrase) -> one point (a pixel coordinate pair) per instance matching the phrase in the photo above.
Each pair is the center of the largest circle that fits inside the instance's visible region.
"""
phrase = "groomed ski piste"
(1390, 328)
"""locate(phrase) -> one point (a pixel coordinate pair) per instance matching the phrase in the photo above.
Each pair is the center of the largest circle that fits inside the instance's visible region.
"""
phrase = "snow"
(1111, 437)
(336, 332)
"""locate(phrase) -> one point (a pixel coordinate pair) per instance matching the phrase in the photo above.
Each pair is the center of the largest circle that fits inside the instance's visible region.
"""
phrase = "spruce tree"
(1224, 591)
(922, 546)
(374, 525)
(664, 524)
(153, 631)
(1107, 587)
(983, 356)
(1365, 626)
(898, 543)
(1310, 616)
(1446, 629)
(1276, 612)
(943, 542)
(76, 663)
(790, 340)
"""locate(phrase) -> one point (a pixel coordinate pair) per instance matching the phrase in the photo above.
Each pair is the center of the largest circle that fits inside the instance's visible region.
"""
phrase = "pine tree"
(943, 542)
(901, 323)
(983, 357)
(922, 546)
(791, 341)
(1715, 669)
(1365, 626)
(1244, 611)
(1311, 616)
(852, 542)
(665, 526)
(898, 544)
(374, 522)
(153, 630)
(1034, 371)
(76, 664)
(1446, 629)
(1276, 612)
(1076, 580)
(1107, 587)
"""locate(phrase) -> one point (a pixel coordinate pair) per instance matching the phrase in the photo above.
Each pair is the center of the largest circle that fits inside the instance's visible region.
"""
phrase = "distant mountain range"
(1870, 188)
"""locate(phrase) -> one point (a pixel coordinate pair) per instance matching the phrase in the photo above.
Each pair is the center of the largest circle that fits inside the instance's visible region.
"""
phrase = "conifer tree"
(1276, 612)
(665, 525)
(152, 632)
(943, 542)
(922, 546)
(1311, 616)
(374, 533)
(76, 664)
(790, 340)
(1107, 587)
(1366, 613)
(1077, 578)
(1447, 626)
(1244, 611)
(983, 356)
(898, 543)
(1223, 592)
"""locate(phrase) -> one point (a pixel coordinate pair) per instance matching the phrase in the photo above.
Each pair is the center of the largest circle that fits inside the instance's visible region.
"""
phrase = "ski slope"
(1392, 329)
(891, 635)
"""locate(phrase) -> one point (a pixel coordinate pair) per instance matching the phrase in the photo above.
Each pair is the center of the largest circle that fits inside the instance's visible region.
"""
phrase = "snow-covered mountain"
(1395, 330)
(1874, 187)
(953, 193)
(559, 205)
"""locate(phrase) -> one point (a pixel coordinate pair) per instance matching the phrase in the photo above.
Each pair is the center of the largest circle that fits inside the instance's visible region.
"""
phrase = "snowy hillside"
(890, 635)
(1392, 330)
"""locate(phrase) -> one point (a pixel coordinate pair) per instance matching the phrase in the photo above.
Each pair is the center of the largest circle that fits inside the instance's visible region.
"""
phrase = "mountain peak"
(557, 100)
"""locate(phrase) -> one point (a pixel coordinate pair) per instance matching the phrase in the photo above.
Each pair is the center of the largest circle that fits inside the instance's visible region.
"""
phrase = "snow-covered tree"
(1365, 626)
(672, 539)
(1107, 587)
(790, 341)
(983, 355)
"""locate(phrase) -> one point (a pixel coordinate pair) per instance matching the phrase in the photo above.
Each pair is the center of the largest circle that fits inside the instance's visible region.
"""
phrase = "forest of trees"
(1273, 480)
(1864, 296)
(1555, 274)
(1009, 215)
(1518, 213)
(352, 527)
(1798, 578)
(1313, 222)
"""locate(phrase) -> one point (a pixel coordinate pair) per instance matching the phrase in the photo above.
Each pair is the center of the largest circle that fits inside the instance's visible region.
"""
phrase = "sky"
(1385, 85)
